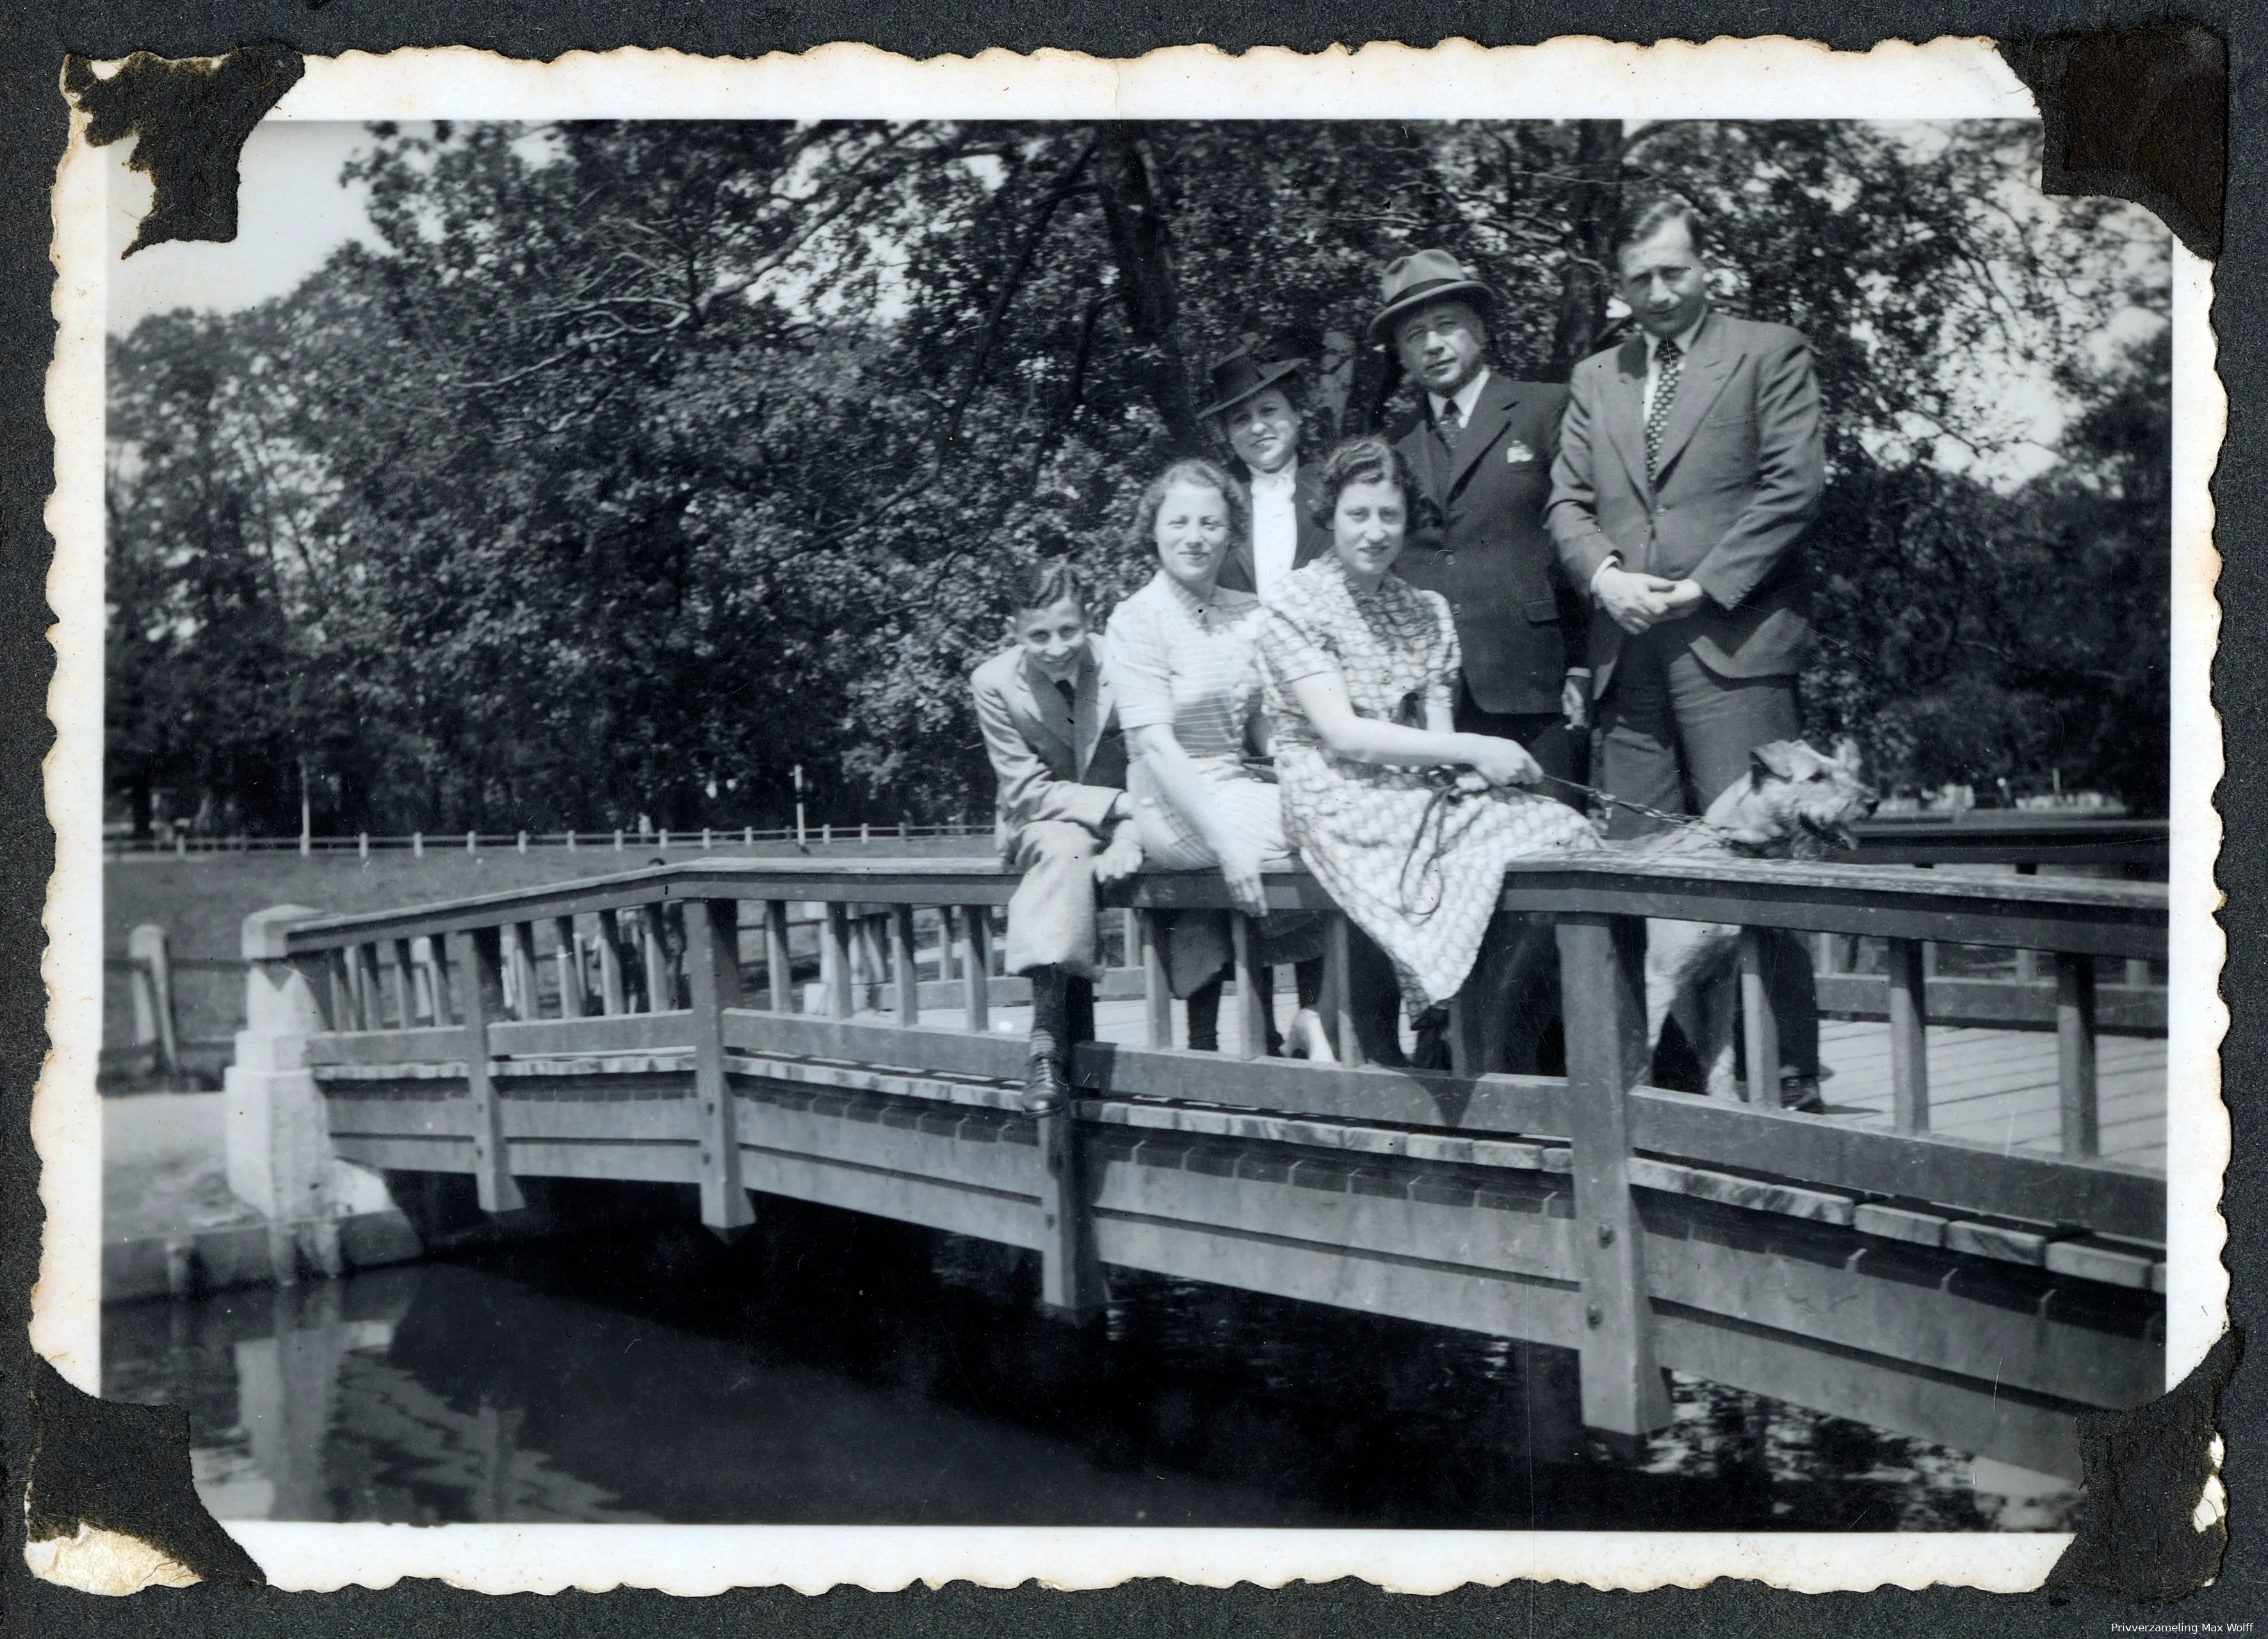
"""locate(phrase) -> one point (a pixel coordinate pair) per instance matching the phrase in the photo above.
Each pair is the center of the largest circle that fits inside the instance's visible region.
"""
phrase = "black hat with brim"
(1254, 365)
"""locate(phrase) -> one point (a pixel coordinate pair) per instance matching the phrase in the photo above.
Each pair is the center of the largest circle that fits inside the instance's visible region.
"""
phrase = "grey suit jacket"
(1053, 763)
(1743, 464)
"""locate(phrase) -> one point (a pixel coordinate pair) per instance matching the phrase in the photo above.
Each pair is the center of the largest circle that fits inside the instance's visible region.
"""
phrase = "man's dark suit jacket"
(1482, 544)
(1742, 467)
(1313, 539)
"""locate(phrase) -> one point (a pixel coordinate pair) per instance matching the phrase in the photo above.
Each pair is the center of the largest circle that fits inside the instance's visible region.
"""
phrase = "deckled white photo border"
(1563, 80)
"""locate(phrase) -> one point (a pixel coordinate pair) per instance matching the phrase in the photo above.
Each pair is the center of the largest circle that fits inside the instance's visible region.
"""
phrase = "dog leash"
(1446, 793)
(1624, 802)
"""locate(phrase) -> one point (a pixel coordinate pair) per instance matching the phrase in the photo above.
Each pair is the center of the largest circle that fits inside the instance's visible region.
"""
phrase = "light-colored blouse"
(1188, 666)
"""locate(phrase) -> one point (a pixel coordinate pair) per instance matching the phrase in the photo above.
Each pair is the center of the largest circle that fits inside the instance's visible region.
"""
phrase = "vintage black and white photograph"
(1448, 824)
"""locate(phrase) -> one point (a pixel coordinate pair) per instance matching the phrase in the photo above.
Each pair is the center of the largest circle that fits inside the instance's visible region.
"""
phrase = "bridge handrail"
(457, 983)
(2079, 917)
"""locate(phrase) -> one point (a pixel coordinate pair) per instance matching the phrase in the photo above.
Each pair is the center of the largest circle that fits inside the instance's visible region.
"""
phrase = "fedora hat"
(1254, 365)
(1423, 276)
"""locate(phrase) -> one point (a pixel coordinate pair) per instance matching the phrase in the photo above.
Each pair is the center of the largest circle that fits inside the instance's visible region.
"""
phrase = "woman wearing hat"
(1261, 409)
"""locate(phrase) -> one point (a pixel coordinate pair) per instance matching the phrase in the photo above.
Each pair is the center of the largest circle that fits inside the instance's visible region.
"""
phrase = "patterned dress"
(1425, 900)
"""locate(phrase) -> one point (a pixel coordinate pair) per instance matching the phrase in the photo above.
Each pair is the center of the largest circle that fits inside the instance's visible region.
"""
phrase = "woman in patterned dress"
(1184, 668)
(1361, 672)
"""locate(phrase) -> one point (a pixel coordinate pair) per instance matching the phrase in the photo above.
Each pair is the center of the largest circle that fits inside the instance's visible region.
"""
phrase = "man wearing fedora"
(1690, 469)
(1260, 410)
(1482, 447)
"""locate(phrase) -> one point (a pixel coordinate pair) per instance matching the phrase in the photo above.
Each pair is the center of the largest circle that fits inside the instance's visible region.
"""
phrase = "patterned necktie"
(1449, 423)
(1666, 358)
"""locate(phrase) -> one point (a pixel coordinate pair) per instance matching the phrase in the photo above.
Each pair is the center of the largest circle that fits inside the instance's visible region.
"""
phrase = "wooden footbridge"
(650, 1027)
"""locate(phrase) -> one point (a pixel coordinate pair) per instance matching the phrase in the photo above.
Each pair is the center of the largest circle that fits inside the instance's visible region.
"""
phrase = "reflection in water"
(835, 1369)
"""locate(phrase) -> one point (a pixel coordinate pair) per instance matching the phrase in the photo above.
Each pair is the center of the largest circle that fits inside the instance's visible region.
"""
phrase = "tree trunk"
(1136, 220)
(1593, 203)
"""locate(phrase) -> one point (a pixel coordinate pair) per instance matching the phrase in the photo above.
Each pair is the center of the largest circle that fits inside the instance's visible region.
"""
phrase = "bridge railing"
(654, 960)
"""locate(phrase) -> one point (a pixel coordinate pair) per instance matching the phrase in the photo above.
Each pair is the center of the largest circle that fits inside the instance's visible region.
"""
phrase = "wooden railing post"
(574, 999)
(1156, 983)
(1070, 1275)
(1759, 1025)
(835, 943)
(1602, 968)
(779, 969)
(975, 934)
(713, 974)
(435, 967)
(344, 1014)
(405, 985)
(370, 1002)
(154, 1026)
(1250, 1034)
(2080, 1125)
(1909, 1011)
(1070, 1278)
(901, 962)
(661, 984)
(480, 998)
(1338, 988)
(612, 995)
(519, 957)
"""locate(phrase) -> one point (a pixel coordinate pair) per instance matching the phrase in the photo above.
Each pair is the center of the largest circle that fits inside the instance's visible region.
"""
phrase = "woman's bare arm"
(1324, 701)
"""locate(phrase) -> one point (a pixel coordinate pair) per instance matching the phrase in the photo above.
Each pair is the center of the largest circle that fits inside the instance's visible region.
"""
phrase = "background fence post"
(1603, 969)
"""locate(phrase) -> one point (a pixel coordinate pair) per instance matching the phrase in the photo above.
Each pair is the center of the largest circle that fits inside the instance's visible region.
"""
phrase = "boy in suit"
(1062, 816)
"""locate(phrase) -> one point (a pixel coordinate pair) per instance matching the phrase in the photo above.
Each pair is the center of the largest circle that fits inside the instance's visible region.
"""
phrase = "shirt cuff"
(1613, 561)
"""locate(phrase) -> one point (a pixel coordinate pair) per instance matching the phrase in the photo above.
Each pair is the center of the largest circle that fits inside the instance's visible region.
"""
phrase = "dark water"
(833, 1369)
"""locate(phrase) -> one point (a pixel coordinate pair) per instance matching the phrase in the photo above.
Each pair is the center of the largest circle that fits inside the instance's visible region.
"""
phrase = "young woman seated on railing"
(1361, 672)
(1185, 670)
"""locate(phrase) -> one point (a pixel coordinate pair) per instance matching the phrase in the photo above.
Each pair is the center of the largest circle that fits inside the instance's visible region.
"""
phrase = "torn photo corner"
(582, 1016)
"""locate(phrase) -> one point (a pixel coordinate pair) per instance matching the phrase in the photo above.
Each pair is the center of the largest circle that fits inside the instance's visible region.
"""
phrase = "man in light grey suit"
(1689, 468)
(1064, 818)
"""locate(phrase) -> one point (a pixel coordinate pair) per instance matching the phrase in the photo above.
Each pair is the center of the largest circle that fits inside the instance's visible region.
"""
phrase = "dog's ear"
(1775, 761)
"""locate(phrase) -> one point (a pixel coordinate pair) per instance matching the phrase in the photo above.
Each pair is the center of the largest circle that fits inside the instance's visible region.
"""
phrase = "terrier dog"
(1794, 803)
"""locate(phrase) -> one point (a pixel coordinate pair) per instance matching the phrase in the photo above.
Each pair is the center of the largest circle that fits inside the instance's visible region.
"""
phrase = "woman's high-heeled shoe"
(1308, 1039)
